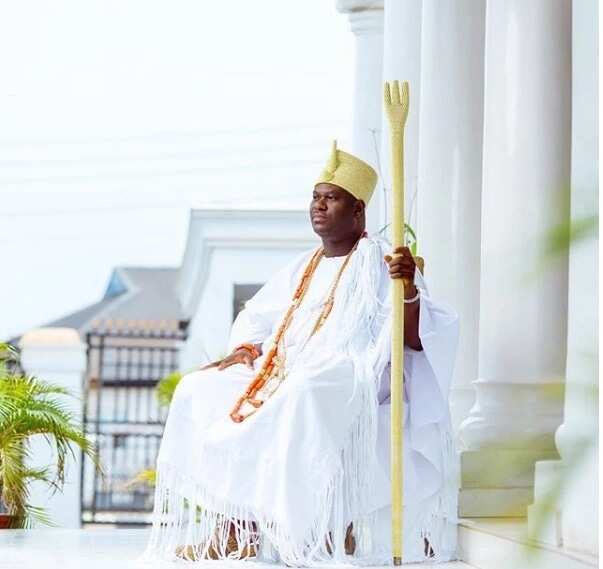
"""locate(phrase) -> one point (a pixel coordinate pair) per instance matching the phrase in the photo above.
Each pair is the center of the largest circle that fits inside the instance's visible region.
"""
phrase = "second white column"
(523, 309)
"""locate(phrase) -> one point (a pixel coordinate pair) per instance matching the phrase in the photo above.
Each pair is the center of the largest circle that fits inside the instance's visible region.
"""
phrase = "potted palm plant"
(31, 406)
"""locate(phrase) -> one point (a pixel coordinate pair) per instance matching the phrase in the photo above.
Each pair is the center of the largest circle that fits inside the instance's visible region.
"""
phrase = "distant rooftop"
(135, 298)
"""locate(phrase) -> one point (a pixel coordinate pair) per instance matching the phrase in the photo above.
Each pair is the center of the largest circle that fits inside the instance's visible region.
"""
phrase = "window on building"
(242, 293)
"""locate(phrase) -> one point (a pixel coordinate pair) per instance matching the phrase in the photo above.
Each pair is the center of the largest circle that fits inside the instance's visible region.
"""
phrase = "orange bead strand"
(266, 371)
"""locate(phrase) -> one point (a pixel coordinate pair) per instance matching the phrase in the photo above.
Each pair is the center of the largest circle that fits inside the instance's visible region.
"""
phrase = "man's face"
(334, 212)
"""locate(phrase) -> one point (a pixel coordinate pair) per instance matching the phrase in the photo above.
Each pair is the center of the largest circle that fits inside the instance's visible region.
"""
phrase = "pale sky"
(117, 116)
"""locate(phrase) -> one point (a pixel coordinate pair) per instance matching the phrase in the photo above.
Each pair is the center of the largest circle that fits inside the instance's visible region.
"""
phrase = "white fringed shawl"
(331, 467)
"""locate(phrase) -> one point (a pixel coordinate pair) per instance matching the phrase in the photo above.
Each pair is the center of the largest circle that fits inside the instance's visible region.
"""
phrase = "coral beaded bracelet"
(250, 348)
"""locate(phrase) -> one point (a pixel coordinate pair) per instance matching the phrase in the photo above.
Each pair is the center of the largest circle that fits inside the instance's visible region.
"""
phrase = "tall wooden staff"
(396, 108)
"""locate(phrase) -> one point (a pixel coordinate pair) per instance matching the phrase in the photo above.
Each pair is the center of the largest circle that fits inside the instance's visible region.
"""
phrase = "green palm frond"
(35, 513)
(166, 387)
(410, 237)
(8, 356)
(30, 406)
(147, 477)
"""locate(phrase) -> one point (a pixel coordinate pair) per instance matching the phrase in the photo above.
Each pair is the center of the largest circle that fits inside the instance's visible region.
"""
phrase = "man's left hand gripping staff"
(402, 266)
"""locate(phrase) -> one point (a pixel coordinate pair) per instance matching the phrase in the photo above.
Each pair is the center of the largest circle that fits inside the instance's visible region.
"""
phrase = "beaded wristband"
(415, 297)
(250, 348)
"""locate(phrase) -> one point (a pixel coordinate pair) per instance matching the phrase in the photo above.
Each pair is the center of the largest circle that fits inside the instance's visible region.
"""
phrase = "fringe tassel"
(439, 522)
(187, 514)
(436, 520)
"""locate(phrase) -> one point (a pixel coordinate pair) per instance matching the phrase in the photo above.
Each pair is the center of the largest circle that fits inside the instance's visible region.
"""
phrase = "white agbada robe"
(315, 456)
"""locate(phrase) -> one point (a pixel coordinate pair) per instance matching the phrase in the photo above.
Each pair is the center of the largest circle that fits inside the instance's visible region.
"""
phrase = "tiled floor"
(94, 549)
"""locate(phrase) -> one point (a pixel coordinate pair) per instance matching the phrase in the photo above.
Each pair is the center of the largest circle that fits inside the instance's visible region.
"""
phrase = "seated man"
(280, 451)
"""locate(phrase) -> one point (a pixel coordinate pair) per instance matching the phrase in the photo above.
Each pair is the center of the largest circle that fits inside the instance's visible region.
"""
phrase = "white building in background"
(229, 254)
(503, 122)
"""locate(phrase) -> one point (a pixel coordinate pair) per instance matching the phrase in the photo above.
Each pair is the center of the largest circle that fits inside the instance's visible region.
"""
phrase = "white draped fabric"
(315, 457)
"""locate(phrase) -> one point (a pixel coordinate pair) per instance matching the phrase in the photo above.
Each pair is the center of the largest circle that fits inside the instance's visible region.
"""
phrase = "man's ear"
(359, 208)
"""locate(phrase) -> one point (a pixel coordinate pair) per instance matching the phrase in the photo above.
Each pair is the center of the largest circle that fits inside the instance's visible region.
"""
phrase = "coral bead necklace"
(273, 368)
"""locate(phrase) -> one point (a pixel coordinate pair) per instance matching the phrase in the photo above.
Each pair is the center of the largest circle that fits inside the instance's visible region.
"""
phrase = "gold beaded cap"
(350, 173)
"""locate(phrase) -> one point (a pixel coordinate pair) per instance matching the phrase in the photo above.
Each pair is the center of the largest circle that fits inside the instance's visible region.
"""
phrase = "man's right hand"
(240, 356)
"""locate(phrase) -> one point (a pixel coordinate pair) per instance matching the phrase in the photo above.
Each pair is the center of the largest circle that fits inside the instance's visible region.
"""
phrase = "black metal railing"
(123, 417)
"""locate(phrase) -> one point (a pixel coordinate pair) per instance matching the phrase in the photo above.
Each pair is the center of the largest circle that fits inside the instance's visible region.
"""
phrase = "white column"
(402, 61)
(57, 355)
(366, 22)
(523, 309)
(450, 172)
(573, 521)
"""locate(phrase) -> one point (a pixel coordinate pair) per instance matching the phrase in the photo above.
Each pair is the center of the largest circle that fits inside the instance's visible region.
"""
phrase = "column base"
(494, 502)
(498, 483)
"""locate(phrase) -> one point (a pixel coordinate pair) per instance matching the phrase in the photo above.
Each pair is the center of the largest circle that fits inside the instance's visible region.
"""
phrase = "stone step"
(494, 502)
(448, 565)
(500, 468)
(496, 543)
(498, 482)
